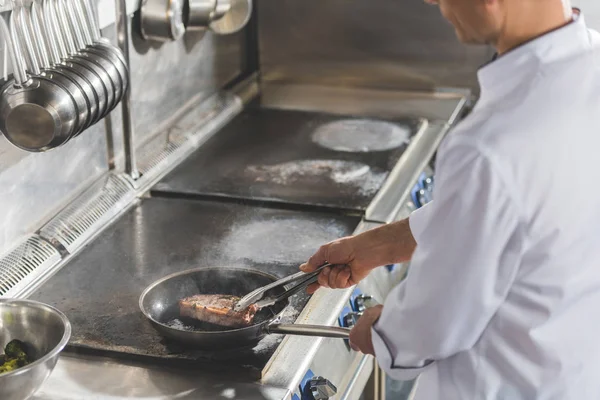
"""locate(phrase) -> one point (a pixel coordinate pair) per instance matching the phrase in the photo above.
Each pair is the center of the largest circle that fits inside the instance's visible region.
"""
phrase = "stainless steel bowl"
(45, 331)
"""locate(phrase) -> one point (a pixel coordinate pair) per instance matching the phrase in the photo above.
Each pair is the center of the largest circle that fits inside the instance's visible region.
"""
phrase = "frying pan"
(159, 303)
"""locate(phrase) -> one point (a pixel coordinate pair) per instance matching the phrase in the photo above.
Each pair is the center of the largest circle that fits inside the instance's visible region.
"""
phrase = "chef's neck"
(527, 20)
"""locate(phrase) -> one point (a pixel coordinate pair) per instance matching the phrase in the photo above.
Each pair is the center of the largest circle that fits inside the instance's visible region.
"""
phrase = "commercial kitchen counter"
(94, 378)
(115, 354)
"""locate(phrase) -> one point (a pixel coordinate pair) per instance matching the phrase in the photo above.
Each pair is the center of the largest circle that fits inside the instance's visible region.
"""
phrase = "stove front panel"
(294, 157)
(99, 288)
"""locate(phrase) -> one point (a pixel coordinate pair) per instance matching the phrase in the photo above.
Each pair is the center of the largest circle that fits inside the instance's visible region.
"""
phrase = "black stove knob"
(428, 184)
(364, 301)
(321, 388)
(351, 319)
(424, 197)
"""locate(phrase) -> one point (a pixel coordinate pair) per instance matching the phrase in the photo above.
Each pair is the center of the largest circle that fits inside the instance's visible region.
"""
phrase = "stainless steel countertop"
(99, 289)
(92, 378)
(88, 377)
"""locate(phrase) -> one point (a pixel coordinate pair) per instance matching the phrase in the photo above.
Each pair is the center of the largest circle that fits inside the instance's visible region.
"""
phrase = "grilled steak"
(217, 309)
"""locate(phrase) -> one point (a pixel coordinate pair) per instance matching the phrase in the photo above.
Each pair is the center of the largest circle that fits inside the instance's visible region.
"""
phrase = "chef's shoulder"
(497, 144)
(485, 133)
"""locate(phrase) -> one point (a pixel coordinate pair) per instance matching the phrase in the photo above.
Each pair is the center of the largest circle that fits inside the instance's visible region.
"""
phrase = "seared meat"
(217, 309)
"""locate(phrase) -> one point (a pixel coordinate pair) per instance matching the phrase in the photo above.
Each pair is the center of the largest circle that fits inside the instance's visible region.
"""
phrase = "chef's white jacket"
(502, 299)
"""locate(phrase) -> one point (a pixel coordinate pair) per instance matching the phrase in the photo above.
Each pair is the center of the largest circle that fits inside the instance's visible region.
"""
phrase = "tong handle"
(256, 295)
(312, 278)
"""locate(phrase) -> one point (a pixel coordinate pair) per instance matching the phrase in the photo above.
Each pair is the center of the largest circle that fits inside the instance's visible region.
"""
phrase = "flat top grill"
(99, 289)
(294, 157)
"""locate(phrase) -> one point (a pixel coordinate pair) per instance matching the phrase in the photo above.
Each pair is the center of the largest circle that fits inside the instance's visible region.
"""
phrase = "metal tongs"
(256, 296)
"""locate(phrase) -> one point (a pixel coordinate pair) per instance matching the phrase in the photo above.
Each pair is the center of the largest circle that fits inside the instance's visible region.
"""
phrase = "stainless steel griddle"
(100, 288)
(294, 159)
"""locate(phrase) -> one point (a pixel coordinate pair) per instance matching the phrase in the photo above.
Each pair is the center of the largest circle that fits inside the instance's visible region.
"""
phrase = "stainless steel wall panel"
(34, 187)
(379, 44)
(165, 79)
(169, 77)
(376, 43)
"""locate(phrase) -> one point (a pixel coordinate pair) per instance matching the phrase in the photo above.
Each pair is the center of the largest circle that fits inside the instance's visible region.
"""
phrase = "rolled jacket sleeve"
(469, 241)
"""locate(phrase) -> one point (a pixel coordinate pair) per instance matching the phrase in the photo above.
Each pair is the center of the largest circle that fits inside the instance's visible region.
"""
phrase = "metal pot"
(221, 16)
(102, 44)
(88, 79)
(90, 63)
(201, 13)
(163, 20)
(111, 63)
(231, 16)
(82, 40)
(36, 113)
(50, 54)
(36, 47)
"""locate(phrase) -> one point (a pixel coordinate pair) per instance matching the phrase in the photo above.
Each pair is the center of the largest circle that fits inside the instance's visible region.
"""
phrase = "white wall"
(591, 10)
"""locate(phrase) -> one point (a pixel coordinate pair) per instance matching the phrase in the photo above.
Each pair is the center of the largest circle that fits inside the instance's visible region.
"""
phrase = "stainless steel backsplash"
(386, 44)
(33, 187)
(166, 77)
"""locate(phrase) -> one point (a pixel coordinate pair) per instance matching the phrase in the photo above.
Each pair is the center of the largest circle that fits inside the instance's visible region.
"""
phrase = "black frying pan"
(159, 303)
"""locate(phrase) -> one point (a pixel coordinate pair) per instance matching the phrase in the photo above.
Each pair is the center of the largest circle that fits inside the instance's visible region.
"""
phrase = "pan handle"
(308, 330)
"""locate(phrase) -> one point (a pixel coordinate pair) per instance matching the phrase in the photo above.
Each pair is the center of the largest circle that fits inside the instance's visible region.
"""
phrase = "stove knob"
(424, 196)
(321, 388)
(351, 319)
(428, 183)
(363, 301)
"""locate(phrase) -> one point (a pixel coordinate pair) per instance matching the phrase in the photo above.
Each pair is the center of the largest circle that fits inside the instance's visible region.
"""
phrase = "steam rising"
(281, 240)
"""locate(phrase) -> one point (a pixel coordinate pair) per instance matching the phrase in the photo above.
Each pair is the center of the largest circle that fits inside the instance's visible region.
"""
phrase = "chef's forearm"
(390, 244)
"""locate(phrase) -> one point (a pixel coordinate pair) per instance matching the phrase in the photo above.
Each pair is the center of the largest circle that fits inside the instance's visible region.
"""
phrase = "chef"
(502, 298)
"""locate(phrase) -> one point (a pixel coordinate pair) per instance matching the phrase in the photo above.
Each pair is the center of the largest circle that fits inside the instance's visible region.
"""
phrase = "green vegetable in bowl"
(14, 356)
(15, 349)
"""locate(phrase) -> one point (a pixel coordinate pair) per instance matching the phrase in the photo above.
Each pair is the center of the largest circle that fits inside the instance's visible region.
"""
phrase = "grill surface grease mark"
(365, 180)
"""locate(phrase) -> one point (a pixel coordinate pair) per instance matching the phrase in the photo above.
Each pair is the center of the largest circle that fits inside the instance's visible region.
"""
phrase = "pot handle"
(14, 52)
(309, 330)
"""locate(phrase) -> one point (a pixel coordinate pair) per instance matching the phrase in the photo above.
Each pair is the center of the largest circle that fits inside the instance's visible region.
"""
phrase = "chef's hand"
(354, 257)
(352, 264)
(360, 335)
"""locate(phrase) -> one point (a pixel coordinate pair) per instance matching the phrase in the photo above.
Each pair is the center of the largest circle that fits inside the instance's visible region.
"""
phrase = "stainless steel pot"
(112, 64)
(163, 20)
(44, 330)
(231, 16)
(82, 40)
(44, 32)
(36, 47)
(102, 44)
(221, 16)
(83, 62)
(36, 113)
(201, 13)
(90, 81)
